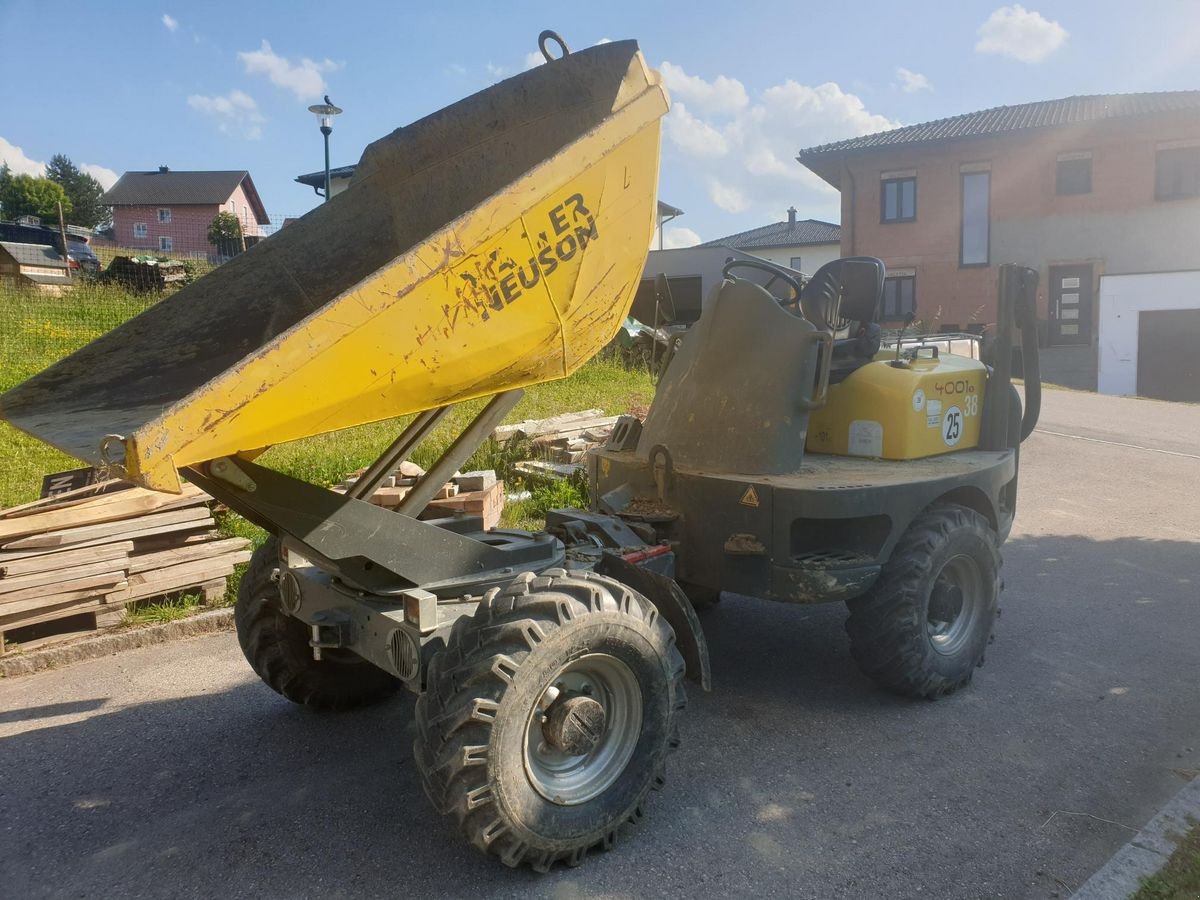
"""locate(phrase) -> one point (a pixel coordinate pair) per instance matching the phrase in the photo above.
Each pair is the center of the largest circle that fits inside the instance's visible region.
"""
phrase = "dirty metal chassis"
(388, 586)
(384, 585)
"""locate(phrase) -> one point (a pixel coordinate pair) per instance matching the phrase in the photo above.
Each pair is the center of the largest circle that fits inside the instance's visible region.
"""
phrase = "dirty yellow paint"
(926, 408)
(524, 288)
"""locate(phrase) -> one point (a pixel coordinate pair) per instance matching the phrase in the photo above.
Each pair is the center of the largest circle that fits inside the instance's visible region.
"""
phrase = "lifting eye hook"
(549, 35)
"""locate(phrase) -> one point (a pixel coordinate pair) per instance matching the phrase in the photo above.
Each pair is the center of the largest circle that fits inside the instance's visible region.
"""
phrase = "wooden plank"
(121, 530)
(93, 494)
(49, 614)
(143, 562)
(105, 509)
(58, 576)
(67, 498)
(47, 593)
(22, 612)
(172, 585)
(24, 562)
(534, 427)
(171, 540)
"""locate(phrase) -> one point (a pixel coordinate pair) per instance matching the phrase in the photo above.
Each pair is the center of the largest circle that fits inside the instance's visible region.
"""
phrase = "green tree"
(24, 195)
(82, 189)
(225, 233)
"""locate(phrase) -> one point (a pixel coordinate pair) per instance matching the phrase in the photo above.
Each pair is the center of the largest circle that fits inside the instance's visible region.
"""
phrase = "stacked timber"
(474, 493)
(84, 555)
(560, 444)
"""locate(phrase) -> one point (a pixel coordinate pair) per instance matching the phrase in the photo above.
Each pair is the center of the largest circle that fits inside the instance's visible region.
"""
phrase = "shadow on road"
(796, 775)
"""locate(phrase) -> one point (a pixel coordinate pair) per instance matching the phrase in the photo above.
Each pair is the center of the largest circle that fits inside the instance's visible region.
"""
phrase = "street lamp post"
(325, 113)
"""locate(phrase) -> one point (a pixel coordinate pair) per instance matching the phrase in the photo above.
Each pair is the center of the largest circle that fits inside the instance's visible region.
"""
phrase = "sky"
(226, 85)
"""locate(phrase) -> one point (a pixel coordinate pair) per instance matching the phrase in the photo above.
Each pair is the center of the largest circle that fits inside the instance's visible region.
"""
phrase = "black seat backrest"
(844, 290)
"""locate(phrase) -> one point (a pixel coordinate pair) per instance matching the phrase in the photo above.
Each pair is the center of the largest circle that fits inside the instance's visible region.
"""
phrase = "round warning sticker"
(918, 400)
(952, 426)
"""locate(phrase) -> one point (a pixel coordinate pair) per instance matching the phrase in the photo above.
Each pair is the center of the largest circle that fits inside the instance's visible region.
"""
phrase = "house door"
(1070, 305)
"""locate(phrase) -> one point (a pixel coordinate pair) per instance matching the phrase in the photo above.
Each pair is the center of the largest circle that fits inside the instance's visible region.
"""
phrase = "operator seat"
(846, 295)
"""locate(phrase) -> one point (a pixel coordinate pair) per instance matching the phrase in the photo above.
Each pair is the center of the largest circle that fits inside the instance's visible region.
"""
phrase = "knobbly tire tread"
(887, 626)
(467, 682)
(276, 646)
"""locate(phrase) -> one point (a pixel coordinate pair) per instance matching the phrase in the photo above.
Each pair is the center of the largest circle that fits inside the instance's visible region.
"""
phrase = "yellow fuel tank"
(907, 410)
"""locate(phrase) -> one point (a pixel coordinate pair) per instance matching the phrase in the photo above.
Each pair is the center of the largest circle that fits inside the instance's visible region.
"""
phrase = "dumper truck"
(789, 454)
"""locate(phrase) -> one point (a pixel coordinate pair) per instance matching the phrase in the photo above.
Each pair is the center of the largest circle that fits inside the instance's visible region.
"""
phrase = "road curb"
(1149, 850)
(116, 642)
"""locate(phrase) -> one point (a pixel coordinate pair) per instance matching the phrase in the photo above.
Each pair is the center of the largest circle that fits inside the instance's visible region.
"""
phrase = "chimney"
(791, 217)
(165, 169)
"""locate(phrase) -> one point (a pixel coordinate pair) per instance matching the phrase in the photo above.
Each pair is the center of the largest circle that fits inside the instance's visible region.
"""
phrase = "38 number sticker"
(972, 404)
(952, 426)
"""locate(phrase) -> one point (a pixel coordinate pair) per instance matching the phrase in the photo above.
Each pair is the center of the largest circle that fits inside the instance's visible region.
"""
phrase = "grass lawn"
(36, 330)
(1179, 879)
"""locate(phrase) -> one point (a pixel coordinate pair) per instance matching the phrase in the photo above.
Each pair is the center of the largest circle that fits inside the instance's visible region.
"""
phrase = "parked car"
(81, 256)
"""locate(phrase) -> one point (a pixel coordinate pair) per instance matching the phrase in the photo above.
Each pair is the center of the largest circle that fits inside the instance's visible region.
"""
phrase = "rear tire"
(276, 646)
(488, 751)
(923, 628)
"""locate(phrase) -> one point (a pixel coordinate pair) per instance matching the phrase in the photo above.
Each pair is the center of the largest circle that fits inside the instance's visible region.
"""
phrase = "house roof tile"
(782, 234)
(1001, 119)
(183, 189)
(34, 254)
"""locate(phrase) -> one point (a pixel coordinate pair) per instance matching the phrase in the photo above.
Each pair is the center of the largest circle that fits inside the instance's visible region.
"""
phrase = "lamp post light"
(325, 113)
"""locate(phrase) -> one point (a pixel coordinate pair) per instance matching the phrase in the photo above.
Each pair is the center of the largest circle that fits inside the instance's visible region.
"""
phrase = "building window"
(899, 297)
(164, 217)
(1177, 173)
(141, 230)
(973, 242)
(1074, 175)
(898, 200)
(165, 243)
(795, 264)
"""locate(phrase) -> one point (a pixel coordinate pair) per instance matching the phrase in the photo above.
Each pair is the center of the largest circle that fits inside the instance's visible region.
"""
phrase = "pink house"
(169, 212)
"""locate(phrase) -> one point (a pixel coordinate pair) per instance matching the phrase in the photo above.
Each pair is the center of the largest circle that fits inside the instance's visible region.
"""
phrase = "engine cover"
(906, 409)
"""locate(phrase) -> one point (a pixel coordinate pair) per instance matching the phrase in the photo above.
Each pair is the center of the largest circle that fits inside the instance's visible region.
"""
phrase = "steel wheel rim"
(569, 780)
(955, 603)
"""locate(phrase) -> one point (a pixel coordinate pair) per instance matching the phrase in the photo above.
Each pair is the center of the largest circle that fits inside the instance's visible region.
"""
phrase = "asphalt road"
(171, 772)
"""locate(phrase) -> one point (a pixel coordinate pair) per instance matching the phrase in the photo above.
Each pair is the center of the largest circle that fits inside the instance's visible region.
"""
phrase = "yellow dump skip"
(495, 244)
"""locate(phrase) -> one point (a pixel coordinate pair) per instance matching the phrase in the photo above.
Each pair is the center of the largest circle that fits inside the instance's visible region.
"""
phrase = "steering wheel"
(777, 273)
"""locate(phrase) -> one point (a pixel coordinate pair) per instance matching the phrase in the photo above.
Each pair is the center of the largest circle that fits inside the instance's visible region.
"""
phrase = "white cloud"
(456, 69)
(533, 59)
(726, 196)
(679, 236)
(106, 176)
(496, 71)
(911, 82)
(305, 79)
(170, 23)
(722, 95)
(744, 153)
(1023, 34)
(695, 136)
(234, 113)
(18, 162)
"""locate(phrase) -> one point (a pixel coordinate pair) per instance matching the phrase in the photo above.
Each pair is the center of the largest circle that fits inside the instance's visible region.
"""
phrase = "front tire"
(276, 646)
(548, 717)
(923, 628)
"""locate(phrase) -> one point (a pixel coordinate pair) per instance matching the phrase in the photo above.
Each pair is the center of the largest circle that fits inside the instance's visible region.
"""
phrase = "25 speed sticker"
(952, 426)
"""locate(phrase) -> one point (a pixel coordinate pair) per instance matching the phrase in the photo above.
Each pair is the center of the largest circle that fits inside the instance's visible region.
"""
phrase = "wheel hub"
(955, 605)
(583, 729)
(574, 725)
